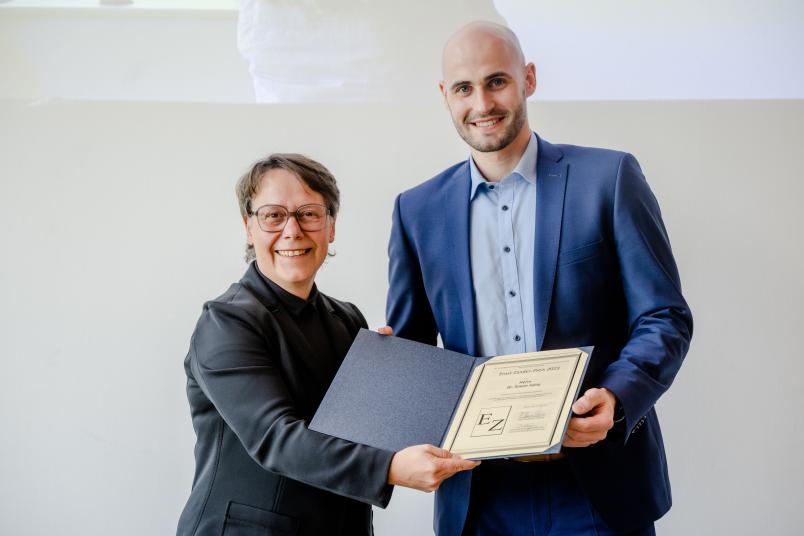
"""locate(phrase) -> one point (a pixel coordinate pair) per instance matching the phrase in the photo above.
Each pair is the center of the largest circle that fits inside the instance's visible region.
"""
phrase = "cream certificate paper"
(517, 405)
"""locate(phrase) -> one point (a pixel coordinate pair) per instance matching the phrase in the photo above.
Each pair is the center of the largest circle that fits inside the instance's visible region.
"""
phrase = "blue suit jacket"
(604, 275)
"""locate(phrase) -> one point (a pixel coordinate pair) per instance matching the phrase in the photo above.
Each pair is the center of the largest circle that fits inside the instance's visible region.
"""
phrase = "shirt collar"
(291, 302)
(525, 168)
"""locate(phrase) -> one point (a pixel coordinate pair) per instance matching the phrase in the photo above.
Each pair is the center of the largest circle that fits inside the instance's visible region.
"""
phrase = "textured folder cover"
(392, 393)
(381, 400)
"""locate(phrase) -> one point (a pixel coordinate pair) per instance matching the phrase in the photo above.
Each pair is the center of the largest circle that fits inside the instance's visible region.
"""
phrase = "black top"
(309, 316)
(260, 361)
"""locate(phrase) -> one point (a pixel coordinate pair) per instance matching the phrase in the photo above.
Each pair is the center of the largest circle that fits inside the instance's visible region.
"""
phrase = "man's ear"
(443, 89)
(332, 232)
(530, 79)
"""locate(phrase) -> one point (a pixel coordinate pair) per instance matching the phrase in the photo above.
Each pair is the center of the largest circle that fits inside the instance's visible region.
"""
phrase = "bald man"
(527, 246)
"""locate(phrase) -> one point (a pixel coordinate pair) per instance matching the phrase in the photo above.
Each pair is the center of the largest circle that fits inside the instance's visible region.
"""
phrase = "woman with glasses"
(260, 361)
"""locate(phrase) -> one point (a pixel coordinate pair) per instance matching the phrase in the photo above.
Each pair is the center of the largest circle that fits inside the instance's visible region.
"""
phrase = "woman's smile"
(293, 252)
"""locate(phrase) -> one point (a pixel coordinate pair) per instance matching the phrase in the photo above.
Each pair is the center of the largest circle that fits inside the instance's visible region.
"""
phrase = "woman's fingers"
(424, 467)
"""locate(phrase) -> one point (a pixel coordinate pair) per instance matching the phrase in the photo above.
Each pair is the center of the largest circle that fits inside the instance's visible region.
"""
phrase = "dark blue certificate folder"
(392, 393)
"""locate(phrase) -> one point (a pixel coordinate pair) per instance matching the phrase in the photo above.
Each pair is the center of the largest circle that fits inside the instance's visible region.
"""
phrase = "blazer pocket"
(582, 253)
(245, 520)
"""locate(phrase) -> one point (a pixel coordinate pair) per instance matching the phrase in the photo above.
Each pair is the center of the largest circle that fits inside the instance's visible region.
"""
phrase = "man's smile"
(486, 122)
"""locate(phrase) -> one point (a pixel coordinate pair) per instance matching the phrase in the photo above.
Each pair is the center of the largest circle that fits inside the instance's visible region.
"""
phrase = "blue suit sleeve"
(659, 319)
(408, 311)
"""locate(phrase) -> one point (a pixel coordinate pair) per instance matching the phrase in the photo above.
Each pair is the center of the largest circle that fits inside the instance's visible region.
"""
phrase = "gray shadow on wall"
(351, 50)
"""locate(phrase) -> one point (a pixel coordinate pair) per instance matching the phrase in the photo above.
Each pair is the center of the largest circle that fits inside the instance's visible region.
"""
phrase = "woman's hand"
(424, 467)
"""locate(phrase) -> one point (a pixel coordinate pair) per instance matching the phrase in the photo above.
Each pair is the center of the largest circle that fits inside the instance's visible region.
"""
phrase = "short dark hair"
(311, 173)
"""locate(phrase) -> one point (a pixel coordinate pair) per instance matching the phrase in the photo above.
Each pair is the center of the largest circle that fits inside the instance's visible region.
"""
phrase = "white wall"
(680, 49)
(117, 220)
(115, 54)
(385, 50)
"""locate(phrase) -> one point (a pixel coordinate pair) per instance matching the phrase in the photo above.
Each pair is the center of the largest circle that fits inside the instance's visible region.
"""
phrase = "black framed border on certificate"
(392, 393)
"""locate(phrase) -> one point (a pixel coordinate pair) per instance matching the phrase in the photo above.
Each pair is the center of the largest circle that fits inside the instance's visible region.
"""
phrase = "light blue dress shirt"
(502, 219)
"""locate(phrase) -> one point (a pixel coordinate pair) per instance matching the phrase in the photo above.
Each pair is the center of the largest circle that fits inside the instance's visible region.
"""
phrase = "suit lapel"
(455, 202)
(551, 182)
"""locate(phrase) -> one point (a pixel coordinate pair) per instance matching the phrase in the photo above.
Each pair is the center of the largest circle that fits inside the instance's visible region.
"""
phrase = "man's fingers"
(591, 398)
(385, 330)
(580, 439)
(586, 437)
(585, 431)
(571, 443)
(595, 423)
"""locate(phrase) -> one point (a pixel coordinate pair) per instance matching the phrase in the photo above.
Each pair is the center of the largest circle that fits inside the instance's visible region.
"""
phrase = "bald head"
(485, 87)
(482, 35)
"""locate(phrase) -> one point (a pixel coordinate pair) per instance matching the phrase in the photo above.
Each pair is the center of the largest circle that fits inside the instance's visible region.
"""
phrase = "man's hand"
(385, 330)
(424, 467)
(597, 407)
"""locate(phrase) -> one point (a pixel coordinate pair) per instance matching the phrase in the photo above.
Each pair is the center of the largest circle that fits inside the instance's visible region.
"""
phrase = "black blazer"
(253, 383)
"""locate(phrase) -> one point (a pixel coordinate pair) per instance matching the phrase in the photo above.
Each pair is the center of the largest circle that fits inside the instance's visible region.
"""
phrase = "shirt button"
(507, 249)
(517, 338)
(505, 207)
(511, 293)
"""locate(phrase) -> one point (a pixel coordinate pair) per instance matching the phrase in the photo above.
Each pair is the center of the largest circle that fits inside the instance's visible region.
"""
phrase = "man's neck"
(497, 165)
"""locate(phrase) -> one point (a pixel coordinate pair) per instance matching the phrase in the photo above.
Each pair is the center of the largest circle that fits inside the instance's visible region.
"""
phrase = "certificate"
(517, 405)
(392, 393)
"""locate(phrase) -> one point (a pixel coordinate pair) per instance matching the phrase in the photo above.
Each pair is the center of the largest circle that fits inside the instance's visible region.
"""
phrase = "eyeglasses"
(273, 218)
